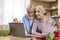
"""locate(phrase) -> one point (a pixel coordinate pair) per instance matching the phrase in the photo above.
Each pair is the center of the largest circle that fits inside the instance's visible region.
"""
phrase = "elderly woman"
(28, 19)
(42, 24)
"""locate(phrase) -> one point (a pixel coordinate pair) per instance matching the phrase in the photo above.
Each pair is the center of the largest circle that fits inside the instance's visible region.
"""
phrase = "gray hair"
(30, 6)
(40, 8)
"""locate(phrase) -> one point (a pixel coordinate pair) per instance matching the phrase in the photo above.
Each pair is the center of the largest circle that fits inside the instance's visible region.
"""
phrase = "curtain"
(14, 8)
(1, 11)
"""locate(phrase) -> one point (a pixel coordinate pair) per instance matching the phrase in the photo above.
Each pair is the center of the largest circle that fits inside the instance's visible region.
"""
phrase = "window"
(12, 9)
(1, 10)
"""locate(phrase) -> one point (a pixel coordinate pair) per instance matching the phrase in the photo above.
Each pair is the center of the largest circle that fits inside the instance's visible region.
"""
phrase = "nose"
(37, 13)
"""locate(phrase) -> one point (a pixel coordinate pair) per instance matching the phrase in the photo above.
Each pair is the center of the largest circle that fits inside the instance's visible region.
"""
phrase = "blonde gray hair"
(40, 8)
(30, 6)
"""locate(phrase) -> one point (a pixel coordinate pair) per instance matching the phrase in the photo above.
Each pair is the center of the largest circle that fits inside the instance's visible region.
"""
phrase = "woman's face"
(39, 14)
(30, 12)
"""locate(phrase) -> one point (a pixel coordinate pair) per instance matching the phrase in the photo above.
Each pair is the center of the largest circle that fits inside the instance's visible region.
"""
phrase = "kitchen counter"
(13, 38)
(16, 38)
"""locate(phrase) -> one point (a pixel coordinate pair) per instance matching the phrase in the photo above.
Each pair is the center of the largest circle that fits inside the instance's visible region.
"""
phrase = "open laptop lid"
(17, 29)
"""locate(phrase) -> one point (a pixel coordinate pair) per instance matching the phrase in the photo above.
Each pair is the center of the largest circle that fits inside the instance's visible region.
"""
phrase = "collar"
(31, 18)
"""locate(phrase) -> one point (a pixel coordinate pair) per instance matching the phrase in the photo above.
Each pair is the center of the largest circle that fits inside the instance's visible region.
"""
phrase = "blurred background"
(10, 9)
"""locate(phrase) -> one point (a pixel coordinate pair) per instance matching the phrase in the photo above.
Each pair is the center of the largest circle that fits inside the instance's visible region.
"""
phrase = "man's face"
(39, 14)
(30, 12)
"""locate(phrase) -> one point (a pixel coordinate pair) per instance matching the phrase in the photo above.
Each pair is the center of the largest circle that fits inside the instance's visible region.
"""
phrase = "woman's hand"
(43, 34)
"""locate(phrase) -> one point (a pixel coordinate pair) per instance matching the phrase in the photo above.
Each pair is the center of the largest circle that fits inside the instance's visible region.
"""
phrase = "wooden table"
(13, 38)
(16, 38)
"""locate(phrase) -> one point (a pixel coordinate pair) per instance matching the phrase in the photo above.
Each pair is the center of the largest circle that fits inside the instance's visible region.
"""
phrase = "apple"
(57, 33)
(31, 39)
(43, 38)
(57, 38)
(40, 38)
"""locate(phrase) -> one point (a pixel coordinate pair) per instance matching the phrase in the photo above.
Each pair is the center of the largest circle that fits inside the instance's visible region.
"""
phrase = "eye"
(38, 11)
(31, 12)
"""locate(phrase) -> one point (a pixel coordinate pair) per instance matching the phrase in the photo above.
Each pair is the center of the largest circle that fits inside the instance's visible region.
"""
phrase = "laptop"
(17, 29)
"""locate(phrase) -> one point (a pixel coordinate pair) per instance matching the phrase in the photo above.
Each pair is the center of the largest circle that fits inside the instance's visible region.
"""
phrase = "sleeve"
(23, 21)
(34, 28)
(52, 22)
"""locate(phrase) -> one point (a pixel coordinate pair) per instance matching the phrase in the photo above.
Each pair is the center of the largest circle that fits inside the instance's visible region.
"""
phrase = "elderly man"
(42, 24)
(28, 19)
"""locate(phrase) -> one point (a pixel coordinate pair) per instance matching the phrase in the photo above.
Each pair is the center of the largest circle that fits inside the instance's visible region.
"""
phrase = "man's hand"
(15, 20)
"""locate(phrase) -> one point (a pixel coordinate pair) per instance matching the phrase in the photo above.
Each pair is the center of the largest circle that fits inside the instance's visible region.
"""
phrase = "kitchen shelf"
(51, 8)
(56, 16)
(46, 0)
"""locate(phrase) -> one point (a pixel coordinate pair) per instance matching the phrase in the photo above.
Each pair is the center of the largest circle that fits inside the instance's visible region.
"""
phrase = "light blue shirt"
(27, 23)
